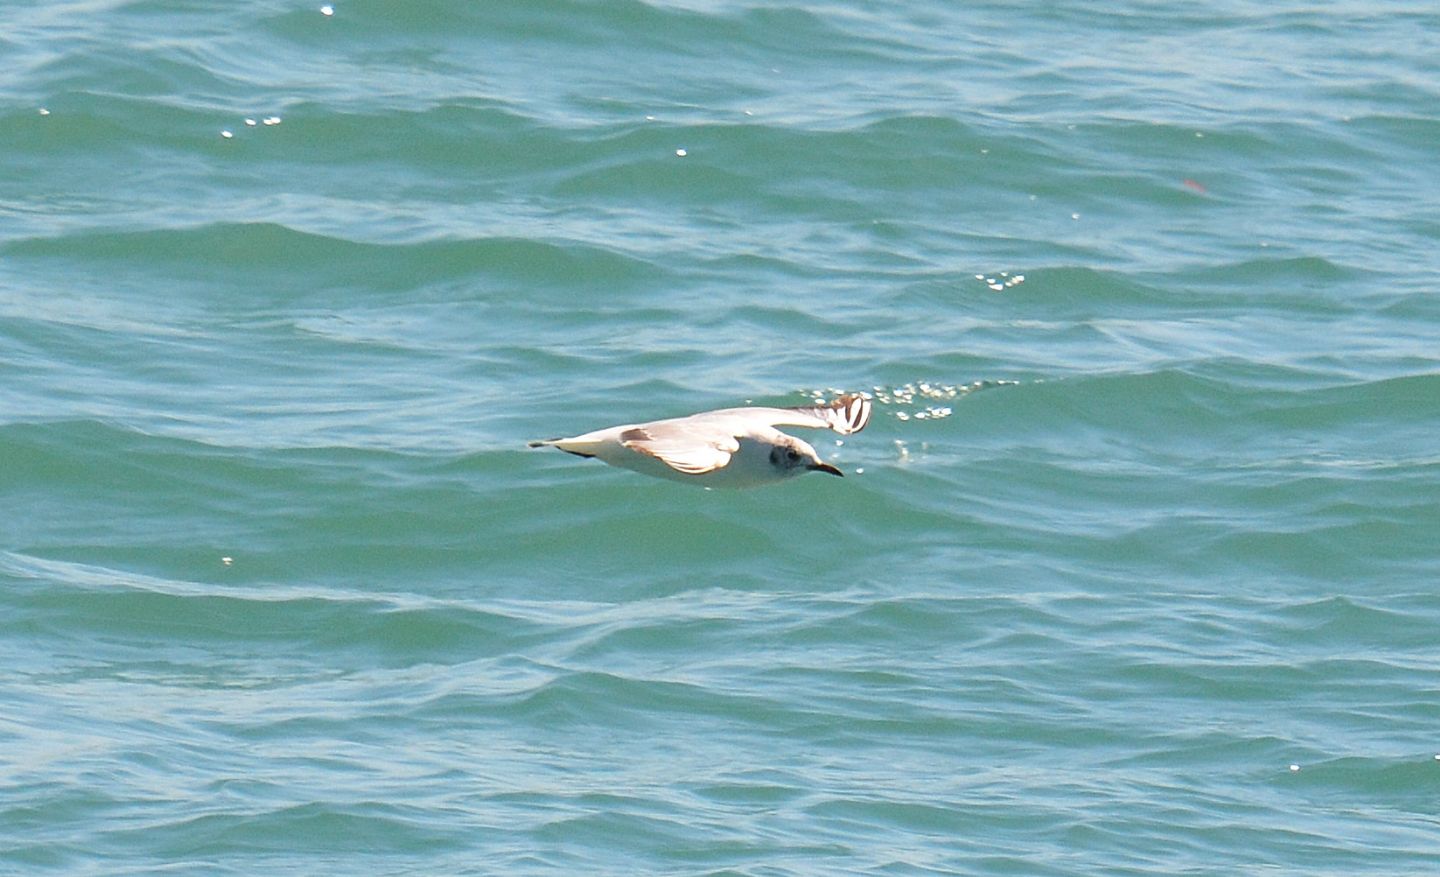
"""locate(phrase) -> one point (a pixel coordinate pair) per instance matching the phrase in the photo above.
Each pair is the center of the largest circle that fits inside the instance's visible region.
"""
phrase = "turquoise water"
(1134, 572)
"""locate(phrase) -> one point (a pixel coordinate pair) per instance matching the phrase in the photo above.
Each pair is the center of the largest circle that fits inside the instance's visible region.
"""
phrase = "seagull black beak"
(826, 467)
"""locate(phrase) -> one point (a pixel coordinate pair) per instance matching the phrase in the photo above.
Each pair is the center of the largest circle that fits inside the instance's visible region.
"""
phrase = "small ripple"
(332, 261)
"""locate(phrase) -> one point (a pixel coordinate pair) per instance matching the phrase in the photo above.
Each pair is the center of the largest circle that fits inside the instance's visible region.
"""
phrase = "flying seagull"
(732, 447)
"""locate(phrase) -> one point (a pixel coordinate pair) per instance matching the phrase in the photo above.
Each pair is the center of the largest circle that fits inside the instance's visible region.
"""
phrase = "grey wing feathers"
(846, 414)
(691, 451)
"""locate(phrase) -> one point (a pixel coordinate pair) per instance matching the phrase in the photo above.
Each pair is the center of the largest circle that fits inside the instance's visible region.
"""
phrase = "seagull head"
(791, 456)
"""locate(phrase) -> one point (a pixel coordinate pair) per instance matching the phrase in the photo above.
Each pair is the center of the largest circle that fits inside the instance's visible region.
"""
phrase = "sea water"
(1134, 571)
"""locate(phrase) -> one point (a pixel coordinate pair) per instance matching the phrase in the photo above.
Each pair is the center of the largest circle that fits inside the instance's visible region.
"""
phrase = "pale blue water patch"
(1132, 573)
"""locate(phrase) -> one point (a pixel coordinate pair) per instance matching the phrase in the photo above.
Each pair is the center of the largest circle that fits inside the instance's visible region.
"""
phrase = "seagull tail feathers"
(569, 446)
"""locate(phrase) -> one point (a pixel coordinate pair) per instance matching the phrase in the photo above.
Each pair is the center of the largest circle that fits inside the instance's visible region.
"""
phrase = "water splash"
(919, 400)
(1003, 280)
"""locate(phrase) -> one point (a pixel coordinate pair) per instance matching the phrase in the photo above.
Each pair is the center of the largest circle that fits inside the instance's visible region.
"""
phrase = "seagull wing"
(846, 414)
(692, 448)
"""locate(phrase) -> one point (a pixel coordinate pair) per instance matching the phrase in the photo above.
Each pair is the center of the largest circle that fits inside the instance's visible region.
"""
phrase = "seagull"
(732, 447)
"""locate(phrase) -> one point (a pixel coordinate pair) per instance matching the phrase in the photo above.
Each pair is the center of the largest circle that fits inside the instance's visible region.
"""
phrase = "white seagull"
(732, 447)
